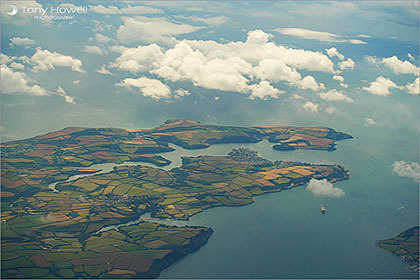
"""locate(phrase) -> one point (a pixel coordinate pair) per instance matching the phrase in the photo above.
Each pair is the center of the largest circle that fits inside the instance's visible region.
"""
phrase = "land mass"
(405, 245)
(47, 234)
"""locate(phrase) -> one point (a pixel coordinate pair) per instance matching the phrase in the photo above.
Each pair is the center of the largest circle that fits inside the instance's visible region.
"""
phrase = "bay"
(284, 235)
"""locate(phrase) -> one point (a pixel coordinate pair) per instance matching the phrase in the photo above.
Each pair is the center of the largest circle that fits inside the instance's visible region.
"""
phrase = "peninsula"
(405, 245)
(65, 233)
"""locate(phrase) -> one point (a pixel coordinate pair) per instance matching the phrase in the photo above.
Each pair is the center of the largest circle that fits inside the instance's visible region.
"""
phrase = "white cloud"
(4, 58)
(370, 122)
(309, 83)
(103, 71)
(230, 66)
(102, 39)
(45, 60)
(138, 59)
(311, 107)
(411, 57)
(335, 95)
(334, 52)
(363, 36)
(101, 26)
(381, 86)
(407, 169)
(17, 41)
(355, 41)
(129, 10)
(17, 83)
(183, 63)
(94, 50)
(400, 67)
(349, 63)
(17, 65)
(264, 91)
(60, 91)
(308, 34)
(182, 92)
(413, 88)
(276, 70)
(148, 87)
(257, 47)
(338, 78)
(372, 59)
(297, 96)
(76, 82)
(213, 21)
(324, 188)
(150, 30)
(316, 35)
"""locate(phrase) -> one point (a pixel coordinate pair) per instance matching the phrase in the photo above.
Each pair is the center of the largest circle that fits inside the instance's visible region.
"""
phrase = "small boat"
(322, 209)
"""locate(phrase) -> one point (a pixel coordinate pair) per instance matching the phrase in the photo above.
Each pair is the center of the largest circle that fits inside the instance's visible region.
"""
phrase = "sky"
(133, 64)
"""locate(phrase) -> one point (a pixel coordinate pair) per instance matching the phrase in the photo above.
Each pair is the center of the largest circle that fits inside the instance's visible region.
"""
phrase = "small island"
(91, 226)
(405, 245)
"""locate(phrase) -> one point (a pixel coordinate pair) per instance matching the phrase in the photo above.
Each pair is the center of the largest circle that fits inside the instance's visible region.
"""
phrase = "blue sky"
(137, 63)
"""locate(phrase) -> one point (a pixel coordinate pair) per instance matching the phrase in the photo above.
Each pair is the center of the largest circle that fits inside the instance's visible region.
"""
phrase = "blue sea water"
(284, 235)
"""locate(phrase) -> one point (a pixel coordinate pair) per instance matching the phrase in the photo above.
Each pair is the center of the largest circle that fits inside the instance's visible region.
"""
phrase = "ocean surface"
(284, 235)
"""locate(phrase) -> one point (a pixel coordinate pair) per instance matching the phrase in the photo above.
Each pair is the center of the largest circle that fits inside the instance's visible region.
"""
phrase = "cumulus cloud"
(101, 39)
(311, 107)
(334, 52)
(60, 91)
(138, 59)
(316, 35)
(150, 30)
(103, 71)
(411, 57)
(18, 83)
(148, 87)
(17, 41)
(297, 96)
(349, 63)
(400, 67)
(370, 122)
(372, 59)
(182, 92)
(324, 188)
(413, 88)
(129, 10)
(264, 91)
(381, 86)
(94, 50)
(309, 83)
(276, 70)
(338, 78)
(335, 95)
(232, 66)
(407, 169)
(4, 58)
(44, 60)
(17, 65)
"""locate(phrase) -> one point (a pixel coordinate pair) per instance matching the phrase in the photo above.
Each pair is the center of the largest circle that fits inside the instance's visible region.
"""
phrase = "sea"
(285, 235)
